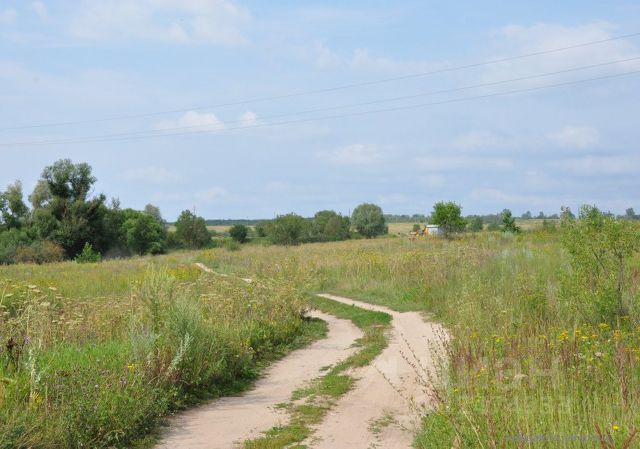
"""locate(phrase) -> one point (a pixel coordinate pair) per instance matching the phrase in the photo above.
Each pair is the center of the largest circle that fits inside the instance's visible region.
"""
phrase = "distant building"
(432, 229)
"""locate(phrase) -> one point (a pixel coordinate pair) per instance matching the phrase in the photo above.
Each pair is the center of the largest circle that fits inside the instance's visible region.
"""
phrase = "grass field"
(106, 349)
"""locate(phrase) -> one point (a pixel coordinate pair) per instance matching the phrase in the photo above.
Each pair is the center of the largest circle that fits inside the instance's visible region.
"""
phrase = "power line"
(327, 117)
(328, 89)
(368, 103)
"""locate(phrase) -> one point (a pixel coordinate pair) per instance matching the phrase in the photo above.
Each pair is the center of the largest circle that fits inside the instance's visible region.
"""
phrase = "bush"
(329, 226)
(239, 233)
(368, 220)
(476, 225)
(290, 229)
(40, 252)
(509, 222)
(88, 255)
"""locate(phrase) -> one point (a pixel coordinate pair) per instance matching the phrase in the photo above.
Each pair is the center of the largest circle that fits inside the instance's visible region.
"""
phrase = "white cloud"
(600, 165)
(501, 197)
(393, 198)
(475, 140)
(432, 180)
(355, 154)
(192, 119)
(250, 119)
(217, 22)
(151, 175)
(517, 39)
(210, 194)
(439, 163)
(363, 59)
(324, 56)
(575, 137)
(8, 16)
(39, 8)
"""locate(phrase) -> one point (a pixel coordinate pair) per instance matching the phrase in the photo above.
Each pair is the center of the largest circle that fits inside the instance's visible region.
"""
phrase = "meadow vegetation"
(545, 329)
(93, 355)
(543, 352)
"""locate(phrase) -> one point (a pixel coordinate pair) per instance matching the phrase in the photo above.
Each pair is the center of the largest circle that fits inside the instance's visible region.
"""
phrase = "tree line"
(65, 220)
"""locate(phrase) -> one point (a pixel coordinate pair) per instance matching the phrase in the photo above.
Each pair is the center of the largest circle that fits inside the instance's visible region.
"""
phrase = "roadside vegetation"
(95, 355)
(545, 324)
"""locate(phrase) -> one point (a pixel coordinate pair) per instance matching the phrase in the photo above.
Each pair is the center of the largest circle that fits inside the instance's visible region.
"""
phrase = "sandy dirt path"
(384, 408)
(225, 423)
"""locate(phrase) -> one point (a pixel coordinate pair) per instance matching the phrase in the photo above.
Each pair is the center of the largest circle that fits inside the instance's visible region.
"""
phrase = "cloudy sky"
(241, 108)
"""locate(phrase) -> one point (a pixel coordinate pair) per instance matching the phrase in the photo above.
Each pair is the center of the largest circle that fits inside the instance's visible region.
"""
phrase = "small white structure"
(432, 229)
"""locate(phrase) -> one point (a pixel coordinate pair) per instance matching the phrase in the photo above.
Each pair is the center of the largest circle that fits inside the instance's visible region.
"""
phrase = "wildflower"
(131, 366)
(616, 427)
(603, 326)
(563, 336)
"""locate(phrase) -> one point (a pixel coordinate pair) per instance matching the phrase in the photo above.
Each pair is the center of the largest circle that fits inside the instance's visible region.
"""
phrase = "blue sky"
(71, 61)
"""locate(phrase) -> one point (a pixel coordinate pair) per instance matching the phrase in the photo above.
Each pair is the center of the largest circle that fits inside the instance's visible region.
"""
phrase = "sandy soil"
(384, 408)
(226, 422)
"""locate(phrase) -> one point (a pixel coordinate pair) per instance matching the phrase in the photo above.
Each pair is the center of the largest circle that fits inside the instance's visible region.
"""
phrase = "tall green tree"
(13, 210)
(448, 216)
(369, 220)
(144, 234)
(191, 231)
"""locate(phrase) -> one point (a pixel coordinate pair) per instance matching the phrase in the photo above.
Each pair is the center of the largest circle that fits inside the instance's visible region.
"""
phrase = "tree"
(154, 211)
(368, 220)
(541, 215)
(448, 217)
(630, 214)
(509, 222)
(327, 225)
(601, 248)
(191, 231)
(527, 215)
(12, 208)
(476, 224)
(289, 229)
(66, 213)
(144, 234)
(239, 233)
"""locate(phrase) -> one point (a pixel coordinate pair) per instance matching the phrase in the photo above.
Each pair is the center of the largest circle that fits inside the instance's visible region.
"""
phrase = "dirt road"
(226, 422)
(382, 410)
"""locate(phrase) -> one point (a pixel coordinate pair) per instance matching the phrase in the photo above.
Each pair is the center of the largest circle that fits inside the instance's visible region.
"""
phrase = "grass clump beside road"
(101, 371)
(310, 404)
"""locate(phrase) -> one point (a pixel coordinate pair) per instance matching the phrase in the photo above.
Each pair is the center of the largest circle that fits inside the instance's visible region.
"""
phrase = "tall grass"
(101, 371)
(525, 367)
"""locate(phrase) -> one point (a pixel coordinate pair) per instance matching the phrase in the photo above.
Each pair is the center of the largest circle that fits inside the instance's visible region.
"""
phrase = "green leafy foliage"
(328, 226)
(448, 216)
(88, 255)
(601, 247)
(239, 233)
(191, 231)
(289, 229)
(369, 220)
(509, 222)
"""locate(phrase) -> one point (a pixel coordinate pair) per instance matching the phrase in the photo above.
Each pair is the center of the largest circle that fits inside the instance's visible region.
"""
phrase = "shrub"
(239, 233)
(88, 255)
(509, 222)
(476, 225)
(290, 229)
(328, 226)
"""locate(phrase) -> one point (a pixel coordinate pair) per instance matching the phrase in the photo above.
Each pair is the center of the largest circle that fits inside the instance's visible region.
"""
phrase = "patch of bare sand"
(392, 393)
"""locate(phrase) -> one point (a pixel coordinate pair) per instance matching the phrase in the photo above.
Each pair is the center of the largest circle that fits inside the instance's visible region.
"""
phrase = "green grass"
(310, 404)
(102, 371)
(503, 300)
